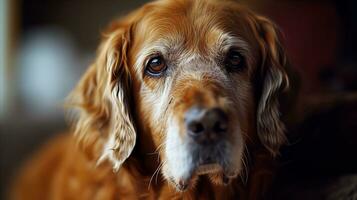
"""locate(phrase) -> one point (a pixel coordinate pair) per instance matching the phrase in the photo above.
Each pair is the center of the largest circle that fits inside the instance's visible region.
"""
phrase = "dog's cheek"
(242, 96)
(156, 100)
(237, 154)
(242, 123)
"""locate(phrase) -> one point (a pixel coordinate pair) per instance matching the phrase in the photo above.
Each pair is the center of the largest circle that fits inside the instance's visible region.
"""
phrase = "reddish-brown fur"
(67, 168)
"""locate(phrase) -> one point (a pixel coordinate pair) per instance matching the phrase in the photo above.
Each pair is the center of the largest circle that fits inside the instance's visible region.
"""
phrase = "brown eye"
(156, 66)
(234, 60)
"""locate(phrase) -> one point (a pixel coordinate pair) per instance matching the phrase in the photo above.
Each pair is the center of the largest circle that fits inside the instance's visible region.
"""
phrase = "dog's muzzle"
(207, 129)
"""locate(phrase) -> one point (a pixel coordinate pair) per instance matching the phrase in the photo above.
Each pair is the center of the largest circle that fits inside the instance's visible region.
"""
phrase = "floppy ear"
(274, 80)
(102, 97)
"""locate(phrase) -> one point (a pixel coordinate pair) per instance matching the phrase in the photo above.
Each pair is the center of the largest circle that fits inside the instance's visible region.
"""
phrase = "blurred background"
(45, 46)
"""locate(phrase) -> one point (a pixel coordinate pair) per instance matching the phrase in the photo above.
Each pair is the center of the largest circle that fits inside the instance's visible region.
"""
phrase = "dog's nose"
(206, 125)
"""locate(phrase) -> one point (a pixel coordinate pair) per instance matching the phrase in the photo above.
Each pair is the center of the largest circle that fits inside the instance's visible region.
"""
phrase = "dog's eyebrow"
(227, 41)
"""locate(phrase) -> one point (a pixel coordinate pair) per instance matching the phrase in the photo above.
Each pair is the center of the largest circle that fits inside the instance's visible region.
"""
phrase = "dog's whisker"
(156, 174)
(153, 175)
(162, 165)
(152, 153)
(160, 146)
(245, 162)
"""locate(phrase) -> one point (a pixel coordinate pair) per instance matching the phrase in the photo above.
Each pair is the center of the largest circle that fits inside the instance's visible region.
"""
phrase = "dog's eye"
(234, 61)
(156, 66)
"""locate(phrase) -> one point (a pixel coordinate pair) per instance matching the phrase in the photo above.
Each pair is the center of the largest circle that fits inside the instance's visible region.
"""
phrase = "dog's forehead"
(190, 30)
(195, 24)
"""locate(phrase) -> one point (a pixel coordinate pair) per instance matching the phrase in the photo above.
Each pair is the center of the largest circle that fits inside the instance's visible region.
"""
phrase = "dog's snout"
(206, 125)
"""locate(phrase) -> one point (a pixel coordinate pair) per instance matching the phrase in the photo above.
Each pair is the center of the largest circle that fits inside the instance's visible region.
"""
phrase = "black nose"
(206, 125)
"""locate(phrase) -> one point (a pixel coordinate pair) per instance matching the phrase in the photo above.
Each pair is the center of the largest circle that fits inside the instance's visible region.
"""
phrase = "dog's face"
(200, 79)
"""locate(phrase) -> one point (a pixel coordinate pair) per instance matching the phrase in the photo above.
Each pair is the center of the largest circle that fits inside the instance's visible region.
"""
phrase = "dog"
(181, 102)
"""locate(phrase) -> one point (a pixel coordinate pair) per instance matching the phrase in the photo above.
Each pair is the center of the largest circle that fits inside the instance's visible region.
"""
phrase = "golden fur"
(123, 119)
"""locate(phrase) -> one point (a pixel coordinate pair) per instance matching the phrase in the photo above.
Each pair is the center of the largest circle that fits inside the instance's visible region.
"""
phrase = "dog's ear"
(103, 99)
(273, 81)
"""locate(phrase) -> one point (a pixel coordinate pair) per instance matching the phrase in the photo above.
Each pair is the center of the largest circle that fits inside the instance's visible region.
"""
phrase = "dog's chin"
(215, 173)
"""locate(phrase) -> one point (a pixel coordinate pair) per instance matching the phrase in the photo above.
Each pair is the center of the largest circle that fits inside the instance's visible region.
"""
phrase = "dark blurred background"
(45, 45)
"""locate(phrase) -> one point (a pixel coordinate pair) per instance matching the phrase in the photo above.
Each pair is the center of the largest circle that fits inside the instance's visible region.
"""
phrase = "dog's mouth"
(209, 169)
(201, 170)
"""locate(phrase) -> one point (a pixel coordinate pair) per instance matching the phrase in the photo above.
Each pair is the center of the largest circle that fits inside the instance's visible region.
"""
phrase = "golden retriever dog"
(181, 102)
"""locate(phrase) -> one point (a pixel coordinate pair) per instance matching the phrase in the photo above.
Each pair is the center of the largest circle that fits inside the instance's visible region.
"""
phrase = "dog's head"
(199, 80)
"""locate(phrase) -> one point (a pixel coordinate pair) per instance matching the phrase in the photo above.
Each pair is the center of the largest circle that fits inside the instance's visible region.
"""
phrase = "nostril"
(220, 127)
(206, 124)
(196, 127)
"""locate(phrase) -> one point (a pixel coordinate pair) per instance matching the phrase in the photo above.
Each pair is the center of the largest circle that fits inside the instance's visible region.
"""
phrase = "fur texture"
(130, 141)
